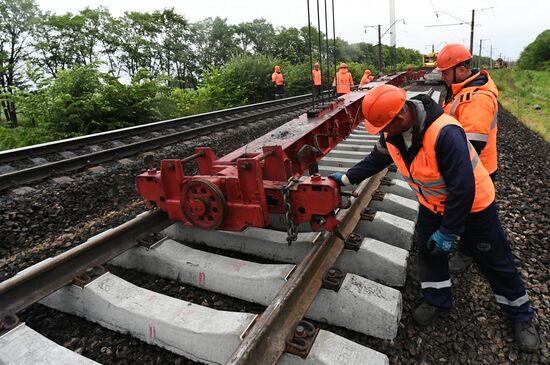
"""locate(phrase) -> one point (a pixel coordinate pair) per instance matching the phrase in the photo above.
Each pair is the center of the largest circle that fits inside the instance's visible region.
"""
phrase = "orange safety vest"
(343, 82)
(316, 75)
(476, 108)
(365, 79)
(277, 78)
(425, 179)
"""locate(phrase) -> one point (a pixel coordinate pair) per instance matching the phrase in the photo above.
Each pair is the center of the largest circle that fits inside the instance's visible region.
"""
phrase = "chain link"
(291, 229)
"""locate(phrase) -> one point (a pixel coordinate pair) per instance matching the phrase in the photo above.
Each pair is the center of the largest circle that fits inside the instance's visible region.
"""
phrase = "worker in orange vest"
(472, 99)
(316, 80)
(278, 83)
(456, 195)
(367, 77)
(343, 81)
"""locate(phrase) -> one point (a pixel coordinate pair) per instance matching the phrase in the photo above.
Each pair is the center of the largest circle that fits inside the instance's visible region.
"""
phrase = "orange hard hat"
(277, 68)
(343, 65)
(380, 105)
(367, 71)
(451, 55)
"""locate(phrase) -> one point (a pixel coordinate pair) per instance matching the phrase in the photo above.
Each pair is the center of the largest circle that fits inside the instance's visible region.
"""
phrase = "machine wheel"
(203, 204)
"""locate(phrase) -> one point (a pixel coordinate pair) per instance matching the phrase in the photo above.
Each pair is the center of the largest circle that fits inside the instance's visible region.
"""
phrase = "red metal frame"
(242, 188)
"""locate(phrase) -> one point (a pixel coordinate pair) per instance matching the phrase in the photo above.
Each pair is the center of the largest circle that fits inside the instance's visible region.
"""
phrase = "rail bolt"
(302, 340)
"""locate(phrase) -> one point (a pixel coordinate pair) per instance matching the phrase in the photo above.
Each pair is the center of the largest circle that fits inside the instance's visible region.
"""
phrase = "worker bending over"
(367, 77)
(457, 197)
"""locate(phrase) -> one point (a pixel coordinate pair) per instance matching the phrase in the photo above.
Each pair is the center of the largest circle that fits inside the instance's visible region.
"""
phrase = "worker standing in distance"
(457, 197)
(316, 80)
(367, 77)
(343, 81)
(278, 83)
(472, 100)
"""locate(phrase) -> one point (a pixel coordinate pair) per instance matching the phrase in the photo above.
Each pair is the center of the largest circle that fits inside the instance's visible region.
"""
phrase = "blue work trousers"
(486, 242)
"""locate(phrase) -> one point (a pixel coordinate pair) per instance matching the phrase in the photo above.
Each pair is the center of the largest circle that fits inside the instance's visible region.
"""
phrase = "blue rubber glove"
(338, 176)
(440, 243)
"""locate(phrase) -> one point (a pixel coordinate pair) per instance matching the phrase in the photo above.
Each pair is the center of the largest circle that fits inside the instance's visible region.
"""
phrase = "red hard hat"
(451, 55)
(343, 65)
(381, 105)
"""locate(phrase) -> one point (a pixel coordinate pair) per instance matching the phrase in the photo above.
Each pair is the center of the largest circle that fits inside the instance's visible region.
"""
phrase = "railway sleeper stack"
(366, 302)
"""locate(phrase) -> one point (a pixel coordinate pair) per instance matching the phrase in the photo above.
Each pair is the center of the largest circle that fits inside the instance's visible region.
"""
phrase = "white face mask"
(407, 137)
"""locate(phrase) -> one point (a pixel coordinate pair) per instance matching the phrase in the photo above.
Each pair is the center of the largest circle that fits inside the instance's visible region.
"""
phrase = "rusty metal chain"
(291, 229)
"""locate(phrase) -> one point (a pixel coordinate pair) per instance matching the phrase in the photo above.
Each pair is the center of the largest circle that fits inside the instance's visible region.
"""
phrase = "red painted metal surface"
(242, 188)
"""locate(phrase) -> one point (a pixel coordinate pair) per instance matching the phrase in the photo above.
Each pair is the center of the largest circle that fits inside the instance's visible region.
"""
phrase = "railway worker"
(410, 74)
(457, 197)
(367, 77)
(472, 99)
(343, 81)
(278, 83)
(316, 80)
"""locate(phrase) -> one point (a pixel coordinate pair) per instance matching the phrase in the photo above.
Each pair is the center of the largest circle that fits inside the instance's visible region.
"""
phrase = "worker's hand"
(440, 243)
(340, 178)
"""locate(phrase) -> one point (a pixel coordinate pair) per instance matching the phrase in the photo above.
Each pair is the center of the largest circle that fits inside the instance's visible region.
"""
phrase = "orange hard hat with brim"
(451, 55)
(380, 105)
(343, 65)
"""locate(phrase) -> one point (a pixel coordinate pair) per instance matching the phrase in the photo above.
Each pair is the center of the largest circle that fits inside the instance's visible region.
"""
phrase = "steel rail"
(76, 142)
(36, 173)
(266, 341)
(38, 281)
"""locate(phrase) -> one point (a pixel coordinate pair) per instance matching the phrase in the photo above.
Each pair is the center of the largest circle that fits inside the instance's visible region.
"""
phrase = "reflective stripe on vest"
(343, 84)
(467, 97)
(489, 153)
(426, 180)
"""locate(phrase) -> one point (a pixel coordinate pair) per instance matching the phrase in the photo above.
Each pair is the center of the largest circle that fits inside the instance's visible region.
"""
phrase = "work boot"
(426, 313)
(459, 262)
(527, 337)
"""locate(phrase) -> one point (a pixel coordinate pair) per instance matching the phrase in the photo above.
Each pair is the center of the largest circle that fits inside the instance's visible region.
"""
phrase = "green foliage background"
(88, 72)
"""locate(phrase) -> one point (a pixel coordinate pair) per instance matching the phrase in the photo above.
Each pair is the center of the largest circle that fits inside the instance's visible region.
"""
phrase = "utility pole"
(379, 49)
(491, 57)
(462, 22)
(380, 35)
(479, 55)
(472, 32)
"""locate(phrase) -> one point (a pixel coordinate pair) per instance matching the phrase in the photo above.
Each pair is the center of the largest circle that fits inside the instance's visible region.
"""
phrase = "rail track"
(319, 277)
(34, 163)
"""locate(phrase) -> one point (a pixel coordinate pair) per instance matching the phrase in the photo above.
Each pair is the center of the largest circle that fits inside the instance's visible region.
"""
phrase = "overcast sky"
(508, 27)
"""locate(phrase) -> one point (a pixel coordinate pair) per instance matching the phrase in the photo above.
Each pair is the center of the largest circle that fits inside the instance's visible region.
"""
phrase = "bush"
(23, 136)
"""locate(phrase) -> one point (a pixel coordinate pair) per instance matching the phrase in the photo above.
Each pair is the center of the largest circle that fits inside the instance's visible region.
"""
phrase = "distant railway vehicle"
(428, 60)
(500, 63)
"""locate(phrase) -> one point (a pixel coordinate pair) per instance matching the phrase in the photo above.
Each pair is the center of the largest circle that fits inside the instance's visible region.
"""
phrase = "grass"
(520, 91)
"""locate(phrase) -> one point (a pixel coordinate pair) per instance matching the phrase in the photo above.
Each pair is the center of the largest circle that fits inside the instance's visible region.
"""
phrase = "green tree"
(17, 20)
(255, 37)
(536, 56)
(214, 40)
(63, 41)
(290, 44)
